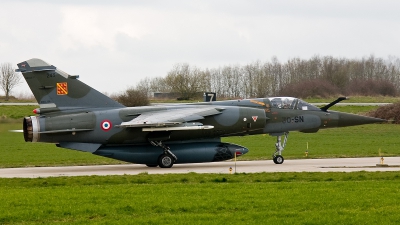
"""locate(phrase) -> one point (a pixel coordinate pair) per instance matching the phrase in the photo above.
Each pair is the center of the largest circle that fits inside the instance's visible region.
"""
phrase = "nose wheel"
(279, 147)
(278, 159)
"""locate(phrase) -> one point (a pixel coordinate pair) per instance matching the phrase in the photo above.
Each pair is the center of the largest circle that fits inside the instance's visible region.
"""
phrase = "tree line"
(319, 76)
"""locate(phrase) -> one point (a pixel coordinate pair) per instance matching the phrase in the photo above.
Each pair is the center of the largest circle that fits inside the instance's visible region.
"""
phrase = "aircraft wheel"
(165, 161)
(278, 159)
(151, 165)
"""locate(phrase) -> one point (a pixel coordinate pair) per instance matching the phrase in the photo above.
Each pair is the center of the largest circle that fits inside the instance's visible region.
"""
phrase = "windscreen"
(291, 103)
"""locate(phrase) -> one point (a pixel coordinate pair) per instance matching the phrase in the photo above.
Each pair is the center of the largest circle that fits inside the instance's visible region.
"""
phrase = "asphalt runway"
(299, 165)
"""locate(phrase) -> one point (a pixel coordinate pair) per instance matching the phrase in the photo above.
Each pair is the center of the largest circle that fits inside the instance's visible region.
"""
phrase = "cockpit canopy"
(291, 103)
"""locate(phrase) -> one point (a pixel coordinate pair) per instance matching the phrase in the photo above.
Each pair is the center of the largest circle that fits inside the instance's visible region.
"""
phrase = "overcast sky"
(114, 44)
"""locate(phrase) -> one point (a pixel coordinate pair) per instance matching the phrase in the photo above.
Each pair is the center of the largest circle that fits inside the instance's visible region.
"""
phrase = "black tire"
(278, 159)
(165, 161)
(151, 165)
(274, 159)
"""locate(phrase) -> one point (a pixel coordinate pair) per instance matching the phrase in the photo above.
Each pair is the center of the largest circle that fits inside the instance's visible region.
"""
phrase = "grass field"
(275, 198)
(358, 141)
(363, 99)
(15, 152)
(262, 198)
(15, 112)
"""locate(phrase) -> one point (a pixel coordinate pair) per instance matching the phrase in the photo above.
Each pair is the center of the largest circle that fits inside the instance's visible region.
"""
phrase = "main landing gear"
(279, 147)
(167, 159)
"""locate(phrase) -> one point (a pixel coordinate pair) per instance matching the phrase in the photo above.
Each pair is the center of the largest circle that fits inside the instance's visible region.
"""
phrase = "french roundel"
(106, 125)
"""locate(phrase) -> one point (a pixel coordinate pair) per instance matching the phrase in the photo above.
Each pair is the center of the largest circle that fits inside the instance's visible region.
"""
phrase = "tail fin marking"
(51, 86)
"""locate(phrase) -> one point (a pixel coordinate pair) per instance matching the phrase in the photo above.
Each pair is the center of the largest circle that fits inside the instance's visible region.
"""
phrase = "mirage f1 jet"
(75, 116)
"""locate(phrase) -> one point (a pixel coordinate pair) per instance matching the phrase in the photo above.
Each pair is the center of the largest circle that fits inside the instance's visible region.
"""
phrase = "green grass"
(275, 198)
(361, 110)
(358, 141)
(19, 112)
(15, 152)
(356, 99)
(15, 112)
(262, 198)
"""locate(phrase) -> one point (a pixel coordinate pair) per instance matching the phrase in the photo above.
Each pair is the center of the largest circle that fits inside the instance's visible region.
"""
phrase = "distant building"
(166, 95)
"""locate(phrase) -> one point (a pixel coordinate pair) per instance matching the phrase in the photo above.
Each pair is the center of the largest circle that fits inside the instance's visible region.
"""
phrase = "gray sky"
(114, 44)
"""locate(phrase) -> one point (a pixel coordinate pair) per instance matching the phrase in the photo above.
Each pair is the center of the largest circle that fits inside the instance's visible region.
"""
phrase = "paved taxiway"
(299, 165)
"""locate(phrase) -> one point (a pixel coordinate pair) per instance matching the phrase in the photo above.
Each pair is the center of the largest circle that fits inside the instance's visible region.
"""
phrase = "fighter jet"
(75, 116)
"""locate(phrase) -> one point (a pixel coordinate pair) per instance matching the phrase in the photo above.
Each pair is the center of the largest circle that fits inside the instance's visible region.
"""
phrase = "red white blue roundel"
(106, 125)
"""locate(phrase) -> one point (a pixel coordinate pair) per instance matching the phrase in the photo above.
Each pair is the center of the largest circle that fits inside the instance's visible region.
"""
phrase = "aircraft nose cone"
(347, 119)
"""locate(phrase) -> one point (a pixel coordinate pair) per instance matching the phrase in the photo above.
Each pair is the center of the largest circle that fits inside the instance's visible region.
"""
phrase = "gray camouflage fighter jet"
(75, 116)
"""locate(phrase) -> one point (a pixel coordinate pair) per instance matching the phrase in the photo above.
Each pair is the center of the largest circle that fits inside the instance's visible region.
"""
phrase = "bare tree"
(158, 84)
(133, 97)
(250, 71)
(144, 86)
(8, 78)
(216, 82)
(186, 80)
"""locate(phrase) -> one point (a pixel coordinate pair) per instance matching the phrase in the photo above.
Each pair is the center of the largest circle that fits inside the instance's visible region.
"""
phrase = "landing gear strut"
(279, 147)
(167, 159)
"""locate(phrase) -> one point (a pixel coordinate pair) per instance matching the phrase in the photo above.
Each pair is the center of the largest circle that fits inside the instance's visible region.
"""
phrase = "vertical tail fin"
(54, 88)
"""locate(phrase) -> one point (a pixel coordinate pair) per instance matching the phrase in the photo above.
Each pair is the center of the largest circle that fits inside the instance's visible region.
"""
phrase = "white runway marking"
(298, 165)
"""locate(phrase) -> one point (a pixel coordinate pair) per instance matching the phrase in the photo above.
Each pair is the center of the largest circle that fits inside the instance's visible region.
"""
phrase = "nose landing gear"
(279, 147)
